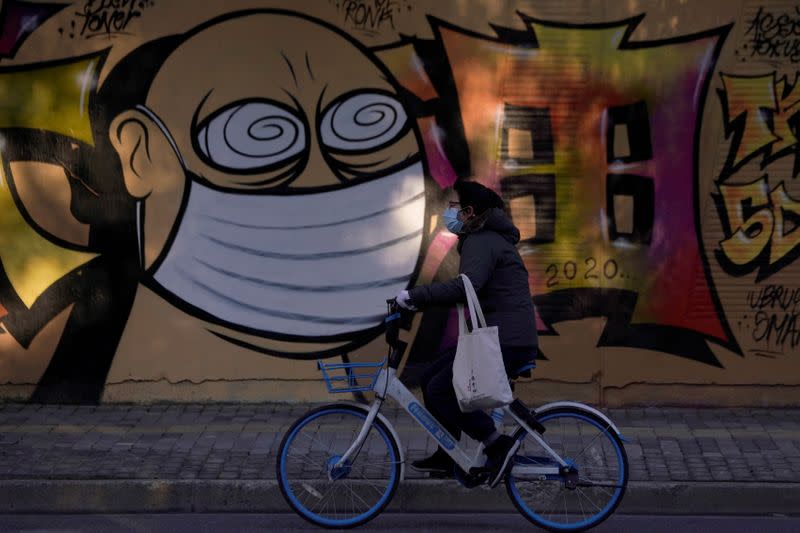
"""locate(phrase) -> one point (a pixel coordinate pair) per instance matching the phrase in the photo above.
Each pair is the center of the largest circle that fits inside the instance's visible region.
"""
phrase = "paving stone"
(229, 441)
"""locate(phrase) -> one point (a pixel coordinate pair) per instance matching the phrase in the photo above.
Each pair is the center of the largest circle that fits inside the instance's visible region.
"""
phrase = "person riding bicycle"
(487, 244)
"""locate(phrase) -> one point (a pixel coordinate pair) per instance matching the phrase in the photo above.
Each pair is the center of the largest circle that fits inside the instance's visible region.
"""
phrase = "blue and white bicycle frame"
(388, 385)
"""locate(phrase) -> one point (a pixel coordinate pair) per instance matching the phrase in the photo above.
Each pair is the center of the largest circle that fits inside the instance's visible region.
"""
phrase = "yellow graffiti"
(762, 225)
(765, 107)
(51, 97)
(783, 242)
(31, 262)
(786, 108)
(750, 232)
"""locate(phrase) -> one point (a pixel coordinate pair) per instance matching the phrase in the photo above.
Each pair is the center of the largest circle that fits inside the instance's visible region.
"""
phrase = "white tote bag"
(479, 376)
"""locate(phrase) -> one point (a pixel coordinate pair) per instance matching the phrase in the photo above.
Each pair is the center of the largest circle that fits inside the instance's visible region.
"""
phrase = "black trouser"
(440, 397)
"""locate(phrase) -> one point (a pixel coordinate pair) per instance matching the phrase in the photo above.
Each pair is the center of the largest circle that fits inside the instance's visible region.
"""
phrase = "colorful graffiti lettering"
(761, 225)
(576, 129)
(759, 219)
(761, 118)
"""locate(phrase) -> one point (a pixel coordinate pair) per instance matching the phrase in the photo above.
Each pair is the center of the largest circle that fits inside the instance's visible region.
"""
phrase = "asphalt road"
(418, 523)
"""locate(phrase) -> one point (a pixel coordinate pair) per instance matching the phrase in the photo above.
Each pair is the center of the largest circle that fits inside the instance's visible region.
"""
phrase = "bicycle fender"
(395, 436)
(583, 407)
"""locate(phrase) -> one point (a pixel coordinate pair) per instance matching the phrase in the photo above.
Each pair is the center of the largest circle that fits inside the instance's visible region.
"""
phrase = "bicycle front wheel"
(334, 496)
(587, 494)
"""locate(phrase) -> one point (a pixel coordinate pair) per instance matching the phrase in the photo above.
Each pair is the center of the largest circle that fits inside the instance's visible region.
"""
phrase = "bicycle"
(339, 465)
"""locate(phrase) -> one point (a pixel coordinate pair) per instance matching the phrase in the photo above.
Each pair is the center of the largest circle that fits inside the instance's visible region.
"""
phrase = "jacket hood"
(499, 222)
(492, 220)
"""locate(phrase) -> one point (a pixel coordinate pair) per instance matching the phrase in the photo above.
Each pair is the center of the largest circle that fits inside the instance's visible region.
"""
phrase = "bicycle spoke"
(323, 499)
(552, 500)
(353, 492)
(305, 459)
(352, 500)
(334, 505)
(581, 506)
(587, 499)
(599, 433)
(593, 485)
(373, 485)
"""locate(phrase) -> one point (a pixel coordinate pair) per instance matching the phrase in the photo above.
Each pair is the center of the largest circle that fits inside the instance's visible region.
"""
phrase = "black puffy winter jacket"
(490, 259)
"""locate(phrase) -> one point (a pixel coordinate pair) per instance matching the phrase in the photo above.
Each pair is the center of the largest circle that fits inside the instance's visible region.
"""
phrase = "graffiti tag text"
(777, 316)
(775, 36)
(591, 270)
(109, 17)
(368, 15)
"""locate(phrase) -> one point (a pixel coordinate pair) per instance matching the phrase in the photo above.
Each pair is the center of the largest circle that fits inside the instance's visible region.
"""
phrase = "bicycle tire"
(286, 483)
(619, 484)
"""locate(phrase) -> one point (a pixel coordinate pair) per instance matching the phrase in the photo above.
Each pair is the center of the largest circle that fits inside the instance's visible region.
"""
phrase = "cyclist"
(487, 245)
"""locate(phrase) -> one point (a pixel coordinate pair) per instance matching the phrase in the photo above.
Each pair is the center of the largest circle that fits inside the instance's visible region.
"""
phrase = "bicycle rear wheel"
(570, 501)
(330, 496)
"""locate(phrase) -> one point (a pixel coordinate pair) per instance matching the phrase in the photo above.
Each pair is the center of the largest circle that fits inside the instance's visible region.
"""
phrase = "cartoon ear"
(130, 135)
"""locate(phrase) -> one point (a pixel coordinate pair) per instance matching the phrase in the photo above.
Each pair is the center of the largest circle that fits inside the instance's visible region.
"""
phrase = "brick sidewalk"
(239, 442)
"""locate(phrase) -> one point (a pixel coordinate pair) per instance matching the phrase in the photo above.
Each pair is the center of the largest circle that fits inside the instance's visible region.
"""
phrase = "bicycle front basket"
(350, 377)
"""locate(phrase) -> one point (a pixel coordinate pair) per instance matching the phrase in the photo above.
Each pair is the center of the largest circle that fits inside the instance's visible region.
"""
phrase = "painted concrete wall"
(199, 199)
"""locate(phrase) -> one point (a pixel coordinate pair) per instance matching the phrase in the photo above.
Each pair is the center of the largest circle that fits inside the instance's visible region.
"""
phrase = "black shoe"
(438, 463)
(499, 457)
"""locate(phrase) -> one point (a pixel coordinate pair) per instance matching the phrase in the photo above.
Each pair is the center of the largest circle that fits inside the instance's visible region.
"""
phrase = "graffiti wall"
(200, 200)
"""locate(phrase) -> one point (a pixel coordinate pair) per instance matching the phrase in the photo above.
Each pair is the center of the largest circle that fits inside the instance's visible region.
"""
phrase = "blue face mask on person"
(451, 220)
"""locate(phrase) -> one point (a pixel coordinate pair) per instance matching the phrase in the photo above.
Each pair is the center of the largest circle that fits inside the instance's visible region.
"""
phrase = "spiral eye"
(362, 121)
(251, 135)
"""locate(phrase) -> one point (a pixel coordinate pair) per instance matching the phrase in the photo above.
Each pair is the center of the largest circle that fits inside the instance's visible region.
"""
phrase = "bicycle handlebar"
(396, 318)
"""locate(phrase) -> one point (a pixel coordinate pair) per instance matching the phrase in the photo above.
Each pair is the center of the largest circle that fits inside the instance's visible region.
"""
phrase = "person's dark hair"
(481, 198)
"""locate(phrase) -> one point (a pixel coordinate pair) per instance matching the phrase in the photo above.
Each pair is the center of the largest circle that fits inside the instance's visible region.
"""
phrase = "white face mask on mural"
(310, 265)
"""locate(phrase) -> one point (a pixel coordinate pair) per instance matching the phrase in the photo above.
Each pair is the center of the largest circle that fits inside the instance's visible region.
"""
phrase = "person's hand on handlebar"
(404, 300)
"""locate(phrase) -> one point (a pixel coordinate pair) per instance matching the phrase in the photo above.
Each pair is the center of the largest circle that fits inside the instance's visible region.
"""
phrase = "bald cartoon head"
(278, 178)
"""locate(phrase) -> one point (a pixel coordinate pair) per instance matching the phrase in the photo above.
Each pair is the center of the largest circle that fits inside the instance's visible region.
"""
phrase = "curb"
(413, 496)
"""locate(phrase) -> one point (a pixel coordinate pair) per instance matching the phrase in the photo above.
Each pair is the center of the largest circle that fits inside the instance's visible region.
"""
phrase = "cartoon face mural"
(257, 180)
(200, 204)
